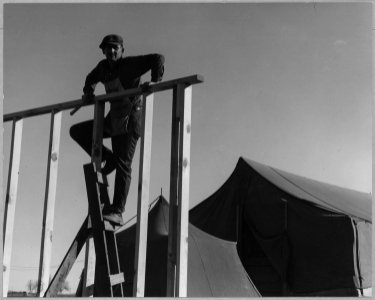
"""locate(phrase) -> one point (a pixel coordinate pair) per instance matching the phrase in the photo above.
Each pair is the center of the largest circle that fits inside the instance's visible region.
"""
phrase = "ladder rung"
(116, 278)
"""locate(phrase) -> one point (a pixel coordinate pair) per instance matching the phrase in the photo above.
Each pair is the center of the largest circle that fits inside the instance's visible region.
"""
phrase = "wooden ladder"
(108, 278)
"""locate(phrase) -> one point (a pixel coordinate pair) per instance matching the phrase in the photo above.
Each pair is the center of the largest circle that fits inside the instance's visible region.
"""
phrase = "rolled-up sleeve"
(136, 66)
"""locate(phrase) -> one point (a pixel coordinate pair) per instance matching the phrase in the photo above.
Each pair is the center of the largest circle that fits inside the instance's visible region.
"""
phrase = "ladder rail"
(107, 262)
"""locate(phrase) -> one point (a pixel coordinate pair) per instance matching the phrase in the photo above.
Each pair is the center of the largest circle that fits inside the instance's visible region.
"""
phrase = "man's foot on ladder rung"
(113, 217)
(108, 226)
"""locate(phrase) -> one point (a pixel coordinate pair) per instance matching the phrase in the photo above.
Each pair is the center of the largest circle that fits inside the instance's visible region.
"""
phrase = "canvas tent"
(214, 268)
(295, 236)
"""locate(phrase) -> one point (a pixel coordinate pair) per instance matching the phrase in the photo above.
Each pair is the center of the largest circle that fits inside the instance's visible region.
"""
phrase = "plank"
(11, 199)
(143, 196)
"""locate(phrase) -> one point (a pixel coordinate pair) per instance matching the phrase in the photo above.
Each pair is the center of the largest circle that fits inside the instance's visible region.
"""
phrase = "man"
(123, 122)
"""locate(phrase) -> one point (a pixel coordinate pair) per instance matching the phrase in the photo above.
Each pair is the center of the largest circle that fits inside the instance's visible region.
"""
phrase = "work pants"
(123, 148)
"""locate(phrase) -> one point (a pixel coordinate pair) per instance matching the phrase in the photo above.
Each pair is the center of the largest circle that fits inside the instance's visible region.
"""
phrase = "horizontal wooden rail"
(157, 87)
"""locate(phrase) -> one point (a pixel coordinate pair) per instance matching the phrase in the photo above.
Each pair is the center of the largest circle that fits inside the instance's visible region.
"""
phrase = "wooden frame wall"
(180, 170)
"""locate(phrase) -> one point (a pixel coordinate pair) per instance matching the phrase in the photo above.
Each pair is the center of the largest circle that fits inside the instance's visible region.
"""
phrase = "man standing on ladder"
(123, 122)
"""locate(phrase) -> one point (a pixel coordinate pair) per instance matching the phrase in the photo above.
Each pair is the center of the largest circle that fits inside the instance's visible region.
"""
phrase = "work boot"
(114, 217)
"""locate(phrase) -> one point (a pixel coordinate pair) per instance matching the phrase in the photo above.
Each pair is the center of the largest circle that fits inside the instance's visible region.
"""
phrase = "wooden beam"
(157, 87)
(49, 203)
(184, 96)
(143, 196)
(10, 202)
(68, 261)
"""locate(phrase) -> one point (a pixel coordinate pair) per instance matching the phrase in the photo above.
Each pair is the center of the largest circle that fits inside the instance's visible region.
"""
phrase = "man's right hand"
(88, 98)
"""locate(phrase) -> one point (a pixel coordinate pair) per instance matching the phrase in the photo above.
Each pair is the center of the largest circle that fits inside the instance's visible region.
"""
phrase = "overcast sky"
(287, 85)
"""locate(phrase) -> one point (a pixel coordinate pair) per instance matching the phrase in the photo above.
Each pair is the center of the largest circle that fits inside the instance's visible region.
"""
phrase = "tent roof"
(214, 268)
(330, 197)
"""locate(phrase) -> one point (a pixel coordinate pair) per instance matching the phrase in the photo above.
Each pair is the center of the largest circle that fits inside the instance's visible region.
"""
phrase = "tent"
(295, 236)
(214, 268)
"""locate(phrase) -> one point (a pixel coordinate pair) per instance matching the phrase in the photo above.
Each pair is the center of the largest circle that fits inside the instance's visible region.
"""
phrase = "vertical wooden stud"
(183, 186)
(179, 192)
(10, 202)
(49, 203)
(173, 187)
(143, 196)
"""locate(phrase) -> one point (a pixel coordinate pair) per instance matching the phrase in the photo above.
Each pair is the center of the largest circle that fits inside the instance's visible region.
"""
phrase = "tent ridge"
(307, 192)
(311, 190)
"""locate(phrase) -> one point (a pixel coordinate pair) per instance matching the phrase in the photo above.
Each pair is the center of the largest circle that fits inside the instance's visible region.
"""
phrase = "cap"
(111, 39)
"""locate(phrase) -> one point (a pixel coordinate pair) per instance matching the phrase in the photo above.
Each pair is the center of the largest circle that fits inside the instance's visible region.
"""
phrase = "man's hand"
(88, 98)
(145, 87)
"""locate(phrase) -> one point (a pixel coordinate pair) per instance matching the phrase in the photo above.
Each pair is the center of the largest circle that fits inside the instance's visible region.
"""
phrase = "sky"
(286, 84)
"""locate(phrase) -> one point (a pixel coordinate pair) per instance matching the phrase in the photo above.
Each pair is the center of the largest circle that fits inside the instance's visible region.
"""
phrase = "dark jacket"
(125, 115)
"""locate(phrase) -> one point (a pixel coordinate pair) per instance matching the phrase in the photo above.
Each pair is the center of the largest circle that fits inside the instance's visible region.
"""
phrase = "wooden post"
(143, 196)
(10, 202)
(96, 157)
(183, 187)
(49, 203)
